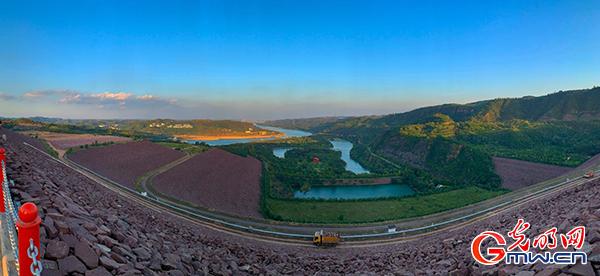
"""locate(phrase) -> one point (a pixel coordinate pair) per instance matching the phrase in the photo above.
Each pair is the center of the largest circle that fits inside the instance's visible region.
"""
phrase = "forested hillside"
(454, 143)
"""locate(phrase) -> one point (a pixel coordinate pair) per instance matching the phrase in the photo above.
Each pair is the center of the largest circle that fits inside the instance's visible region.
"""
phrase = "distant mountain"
(570, 105)
(155, 129)
(304, 123)
(455, 142)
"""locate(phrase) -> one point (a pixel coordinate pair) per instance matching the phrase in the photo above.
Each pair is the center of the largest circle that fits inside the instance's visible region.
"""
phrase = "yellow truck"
(326, 238)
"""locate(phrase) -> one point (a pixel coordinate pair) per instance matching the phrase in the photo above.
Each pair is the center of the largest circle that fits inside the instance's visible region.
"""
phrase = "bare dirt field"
(125, 163)
(215, 179)
(63, 141)
(517, 174)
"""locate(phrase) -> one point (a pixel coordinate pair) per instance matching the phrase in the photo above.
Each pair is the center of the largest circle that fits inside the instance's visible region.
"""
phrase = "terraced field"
(215, 179)
(517, 174)
(63, 141)
(125, 163)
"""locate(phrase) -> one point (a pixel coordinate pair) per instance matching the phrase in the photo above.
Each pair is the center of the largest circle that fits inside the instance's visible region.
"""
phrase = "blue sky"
(284, 59)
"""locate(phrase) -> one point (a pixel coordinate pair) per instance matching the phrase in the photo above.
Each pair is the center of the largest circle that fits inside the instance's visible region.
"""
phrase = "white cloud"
(70, 98)
(118, 96)
(146, 97)
(104, 100)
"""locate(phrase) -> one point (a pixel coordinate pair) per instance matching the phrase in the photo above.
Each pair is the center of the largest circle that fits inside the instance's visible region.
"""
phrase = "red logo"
(497, 253)
(518, 252)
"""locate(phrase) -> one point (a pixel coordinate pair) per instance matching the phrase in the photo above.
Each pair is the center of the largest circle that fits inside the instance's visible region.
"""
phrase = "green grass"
(49, 149)
(187, 148)
(313, 211)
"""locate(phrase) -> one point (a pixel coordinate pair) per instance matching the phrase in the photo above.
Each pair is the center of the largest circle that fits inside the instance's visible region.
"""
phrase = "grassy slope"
(311, 211)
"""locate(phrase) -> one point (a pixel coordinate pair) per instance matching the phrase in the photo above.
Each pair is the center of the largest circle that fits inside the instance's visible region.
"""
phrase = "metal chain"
(32, 253)
(11, 218)
(11, 206)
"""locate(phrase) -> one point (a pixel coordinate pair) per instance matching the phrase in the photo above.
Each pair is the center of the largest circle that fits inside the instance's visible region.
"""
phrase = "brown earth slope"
(65, 141)
(215, 179)
(125, 163)
(517, 174)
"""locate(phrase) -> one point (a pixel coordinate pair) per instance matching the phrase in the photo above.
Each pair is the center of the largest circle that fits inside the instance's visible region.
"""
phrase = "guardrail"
(20, 235)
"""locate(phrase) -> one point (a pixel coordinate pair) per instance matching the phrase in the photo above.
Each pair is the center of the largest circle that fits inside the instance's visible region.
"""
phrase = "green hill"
(454, 143)
(155, 129)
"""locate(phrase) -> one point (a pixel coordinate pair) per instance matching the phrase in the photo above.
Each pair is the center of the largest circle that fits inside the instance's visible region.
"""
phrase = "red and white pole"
(29, 240)
(2, 173)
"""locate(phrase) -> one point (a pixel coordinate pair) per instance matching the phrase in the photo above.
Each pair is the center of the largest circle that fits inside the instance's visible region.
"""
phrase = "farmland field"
(125, 163)
(215, 179)
(516, 174)
(63, 141)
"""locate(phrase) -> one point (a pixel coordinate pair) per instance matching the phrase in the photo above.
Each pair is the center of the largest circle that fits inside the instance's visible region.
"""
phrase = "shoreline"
(227, 137)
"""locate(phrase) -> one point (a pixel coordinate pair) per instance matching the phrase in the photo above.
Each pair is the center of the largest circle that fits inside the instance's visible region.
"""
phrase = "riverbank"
(363, 181)
(228, 137)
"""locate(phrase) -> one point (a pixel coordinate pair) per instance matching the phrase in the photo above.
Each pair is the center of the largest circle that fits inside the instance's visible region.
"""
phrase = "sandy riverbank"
(227, 137)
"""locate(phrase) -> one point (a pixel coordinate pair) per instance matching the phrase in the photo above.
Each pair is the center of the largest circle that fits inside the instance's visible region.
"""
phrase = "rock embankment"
(89, 230)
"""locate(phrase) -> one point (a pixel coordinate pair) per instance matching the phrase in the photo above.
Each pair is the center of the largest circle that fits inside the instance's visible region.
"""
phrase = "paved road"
(354, 235)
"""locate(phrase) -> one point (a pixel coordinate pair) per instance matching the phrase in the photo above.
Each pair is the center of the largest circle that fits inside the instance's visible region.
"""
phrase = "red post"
(29, 240)
(2, 160)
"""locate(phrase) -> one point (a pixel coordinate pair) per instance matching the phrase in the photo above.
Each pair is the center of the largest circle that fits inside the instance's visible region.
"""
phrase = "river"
(327, 192)
(345, 147)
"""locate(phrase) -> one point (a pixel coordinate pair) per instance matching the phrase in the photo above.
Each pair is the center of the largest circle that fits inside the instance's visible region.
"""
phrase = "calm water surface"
(345, 147)
(355, 192)
(280, 152)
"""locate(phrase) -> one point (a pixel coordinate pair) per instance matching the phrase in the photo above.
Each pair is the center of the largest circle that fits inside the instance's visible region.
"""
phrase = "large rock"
(71, 264)
(86, 254)
(581, 269)
(100, 271)
(171, 261)
(109, 263)
(56, 250)
(142, 253)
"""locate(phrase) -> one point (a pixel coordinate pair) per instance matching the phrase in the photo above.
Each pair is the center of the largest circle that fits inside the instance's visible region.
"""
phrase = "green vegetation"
(87, 146)
(190, 149)
(449, 145)
(558, 143)
(312, 211)
(49, 149)
(303, 124)
(297, 170)
(454, 143)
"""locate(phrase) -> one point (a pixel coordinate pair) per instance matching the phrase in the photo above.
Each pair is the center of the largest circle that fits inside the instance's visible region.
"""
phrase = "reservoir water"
(280, 152)
(355, 192)
(345, 147)
(287, 134)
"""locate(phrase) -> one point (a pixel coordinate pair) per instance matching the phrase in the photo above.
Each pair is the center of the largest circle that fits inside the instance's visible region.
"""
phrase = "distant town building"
(316, 160)
(161, 125)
